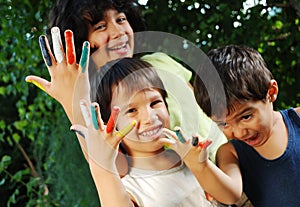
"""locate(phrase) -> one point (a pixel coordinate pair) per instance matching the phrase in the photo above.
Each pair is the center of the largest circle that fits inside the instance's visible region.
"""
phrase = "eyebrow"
(242, 112)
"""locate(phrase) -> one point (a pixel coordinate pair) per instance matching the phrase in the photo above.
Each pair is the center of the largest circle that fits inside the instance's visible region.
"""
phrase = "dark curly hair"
(77, 15)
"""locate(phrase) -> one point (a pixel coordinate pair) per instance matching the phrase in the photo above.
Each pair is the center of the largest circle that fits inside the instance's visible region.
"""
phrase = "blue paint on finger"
(45, 52)
(179, 135)
(84, 56)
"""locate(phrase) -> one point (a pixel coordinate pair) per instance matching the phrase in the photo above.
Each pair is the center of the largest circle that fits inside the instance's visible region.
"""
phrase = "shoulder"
(227, 153)
(228, 162)
(297, 110)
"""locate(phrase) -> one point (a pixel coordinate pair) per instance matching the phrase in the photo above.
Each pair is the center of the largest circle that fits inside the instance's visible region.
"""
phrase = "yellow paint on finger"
(36, 84)
(125, 130)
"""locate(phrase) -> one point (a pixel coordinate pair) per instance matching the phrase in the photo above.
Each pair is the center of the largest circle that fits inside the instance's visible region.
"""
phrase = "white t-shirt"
(176, 187)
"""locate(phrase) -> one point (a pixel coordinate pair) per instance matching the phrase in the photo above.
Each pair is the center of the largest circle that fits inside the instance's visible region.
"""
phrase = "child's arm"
(224, 182)
(102, 149)
(69, 80)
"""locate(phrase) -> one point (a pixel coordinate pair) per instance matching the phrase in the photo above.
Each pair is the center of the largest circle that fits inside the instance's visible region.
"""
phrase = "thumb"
(39, 82)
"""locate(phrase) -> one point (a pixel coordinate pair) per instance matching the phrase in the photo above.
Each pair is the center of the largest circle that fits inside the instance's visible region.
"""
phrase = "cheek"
(122, 122)
(226, 133)
(98, 40)
(165, 117)
(128, 29)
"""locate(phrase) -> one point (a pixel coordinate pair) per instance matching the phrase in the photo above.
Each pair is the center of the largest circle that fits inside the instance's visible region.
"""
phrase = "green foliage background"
(41, 162)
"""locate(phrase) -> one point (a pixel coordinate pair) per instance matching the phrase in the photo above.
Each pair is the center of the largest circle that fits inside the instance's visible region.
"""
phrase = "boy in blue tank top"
(262, 157)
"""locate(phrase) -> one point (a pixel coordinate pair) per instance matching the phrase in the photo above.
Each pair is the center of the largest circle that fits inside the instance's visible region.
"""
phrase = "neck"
(163, 160)
(278, 140)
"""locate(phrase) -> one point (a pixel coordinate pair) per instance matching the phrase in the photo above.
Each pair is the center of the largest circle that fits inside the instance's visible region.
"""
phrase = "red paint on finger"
(70, 48)
(111, 122)
(204, 144)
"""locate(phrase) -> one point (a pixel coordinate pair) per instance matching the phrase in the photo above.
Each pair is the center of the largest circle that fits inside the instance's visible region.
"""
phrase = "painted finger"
(84, 56)
(100, 121)
(70, 48)
(57, 44)
(37, 81)
(205, 144)
(170, 134)
(111, 121)
(122, 133)
(96, 117)
(85, 112)
(203, 156)
(178, 132)
(44, 45)
(195, 141)
(78, 129)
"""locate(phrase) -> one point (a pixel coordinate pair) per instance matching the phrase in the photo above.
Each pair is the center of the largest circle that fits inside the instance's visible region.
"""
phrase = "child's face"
(148, 109)
(251, 122)
(113, 38)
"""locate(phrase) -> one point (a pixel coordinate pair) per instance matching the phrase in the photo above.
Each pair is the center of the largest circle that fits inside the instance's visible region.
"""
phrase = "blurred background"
(41, 163)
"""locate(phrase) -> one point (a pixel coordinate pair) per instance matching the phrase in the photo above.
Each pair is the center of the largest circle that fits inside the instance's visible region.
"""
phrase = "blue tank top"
(272, 183)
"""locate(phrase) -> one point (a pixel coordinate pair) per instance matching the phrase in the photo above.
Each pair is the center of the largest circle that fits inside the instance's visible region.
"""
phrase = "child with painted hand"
(262, 157)
(157, 176)
(109, 27)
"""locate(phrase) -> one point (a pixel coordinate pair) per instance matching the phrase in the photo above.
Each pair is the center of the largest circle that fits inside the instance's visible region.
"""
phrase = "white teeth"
(118, 47)
(150, 133)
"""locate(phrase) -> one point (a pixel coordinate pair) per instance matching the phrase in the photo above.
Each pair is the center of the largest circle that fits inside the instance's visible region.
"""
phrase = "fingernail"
(94, 117)
(78, 132)
(85, 113)
(36, 84)
(45, 52)
(84, 56)
(178, 134)
(70, 47)
(57, 47)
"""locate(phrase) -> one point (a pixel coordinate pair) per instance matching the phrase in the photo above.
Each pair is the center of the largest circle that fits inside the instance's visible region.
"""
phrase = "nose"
(115, 30)
(148, 116)
(238, 131)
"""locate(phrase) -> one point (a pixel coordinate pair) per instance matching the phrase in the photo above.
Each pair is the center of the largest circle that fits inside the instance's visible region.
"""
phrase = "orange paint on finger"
(111, 122)
(70, 48)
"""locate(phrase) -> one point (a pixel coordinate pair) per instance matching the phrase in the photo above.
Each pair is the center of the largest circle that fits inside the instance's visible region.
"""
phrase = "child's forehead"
(126, 93)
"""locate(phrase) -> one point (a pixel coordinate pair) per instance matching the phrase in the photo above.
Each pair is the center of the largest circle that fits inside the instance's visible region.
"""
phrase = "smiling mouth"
(118, 47)
(150, 134)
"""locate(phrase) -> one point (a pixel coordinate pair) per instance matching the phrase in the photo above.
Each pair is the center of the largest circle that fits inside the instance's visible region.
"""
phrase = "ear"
(273, 90)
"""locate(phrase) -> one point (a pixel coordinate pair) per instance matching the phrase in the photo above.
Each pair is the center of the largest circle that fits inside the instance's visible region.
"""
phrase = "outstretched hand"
(188, 149)
(62, 67)
(101, 144)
